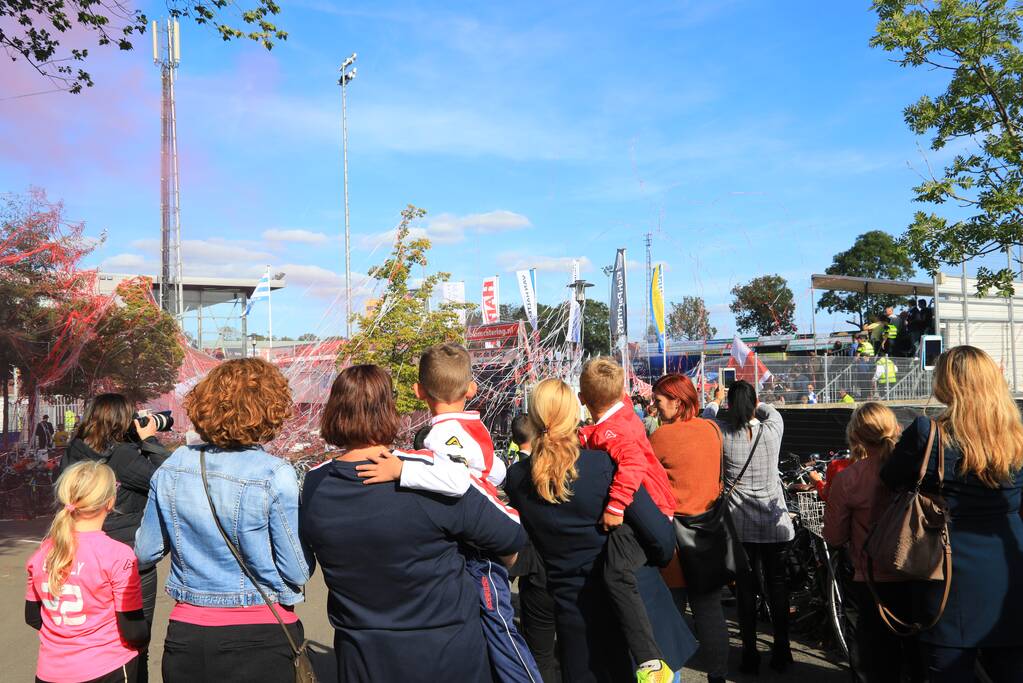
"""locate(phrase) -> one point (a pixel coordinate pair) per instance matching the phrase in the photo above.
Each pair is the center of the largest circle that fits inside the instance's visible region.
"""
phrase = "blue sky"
(749, 137)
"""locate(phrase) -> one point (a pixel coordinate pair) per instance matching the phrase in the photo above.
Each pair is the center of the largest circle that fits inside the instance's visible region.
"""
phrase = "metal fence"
(828, 379)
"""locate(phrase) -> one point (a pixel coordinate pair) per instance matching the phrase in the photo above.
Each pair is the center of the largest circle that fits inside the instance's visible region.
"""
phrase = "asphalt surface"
(19, 539)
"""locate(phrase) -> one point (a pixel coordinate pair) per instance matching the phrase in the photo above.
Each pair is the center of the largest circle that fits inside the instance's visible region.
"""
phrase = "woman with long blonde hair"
(84, 595)
(982, 437)
(560, 491)
(856, 498)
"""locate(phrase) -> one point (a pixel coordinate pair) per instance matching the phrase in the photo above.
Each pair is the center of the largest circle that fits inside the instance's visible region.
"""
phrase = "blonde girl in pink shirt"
(83, 593)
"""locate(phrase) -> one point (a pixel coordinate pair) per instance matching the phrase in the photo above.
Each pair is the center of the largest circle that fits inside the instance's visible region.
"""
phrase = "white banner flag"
(575, 321)
(491, 309)
(454, 293)
(527, 288)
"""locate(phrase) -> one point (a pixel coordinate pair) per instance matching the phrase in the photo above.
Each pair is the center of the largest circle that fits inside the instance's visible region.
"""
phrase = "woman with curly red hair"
(220, 627)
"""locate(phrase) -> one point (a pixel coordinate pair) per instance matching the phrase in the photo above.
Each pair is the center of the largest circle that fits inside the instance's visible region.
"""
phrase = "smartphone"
(727, 376)
(931, 346)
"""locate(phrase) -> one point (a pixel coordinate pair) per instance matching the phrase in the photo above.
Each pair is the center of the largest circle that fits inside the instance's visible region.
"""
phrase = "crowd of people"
(419, 547)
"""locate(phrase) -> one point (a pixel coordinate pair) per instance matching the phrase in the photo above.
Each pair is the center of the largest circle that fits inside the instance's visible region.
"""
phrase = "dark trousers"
(956, 664)
(623, 557)
(770, 557)
(148, 580)
(537, 615)
(257, 653)
(876, 655)
(127, 673)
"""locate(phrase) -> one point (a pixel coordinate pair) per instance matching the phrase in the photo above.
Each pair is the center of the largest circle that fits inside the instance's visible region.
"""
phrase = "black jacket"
(133, 465)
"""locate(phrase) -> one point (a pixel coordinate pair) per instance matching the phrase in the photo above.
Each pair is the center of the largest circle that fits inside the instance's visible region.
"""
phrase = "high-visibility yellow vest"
(865, 348)
(890, 371)
(892, 331)
(848, 399)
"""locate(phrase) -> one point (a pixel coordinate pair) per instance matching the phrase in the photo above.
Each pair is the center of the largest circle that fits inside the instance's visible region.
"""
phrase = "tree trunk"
(5, 377)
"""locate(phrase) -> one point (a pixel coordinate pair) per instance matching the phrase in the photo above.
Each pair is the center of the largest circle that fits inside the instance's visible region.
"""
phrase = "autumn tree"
(764, 305)
(396, 332)
(976, 45)
(689, 319)
(874, 255)
(137, 350)
(34, 31)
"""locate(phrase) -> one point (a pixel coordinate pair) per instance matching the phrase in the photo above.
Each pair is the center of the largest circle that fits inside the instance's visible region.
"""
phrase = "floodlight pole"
(343, 81)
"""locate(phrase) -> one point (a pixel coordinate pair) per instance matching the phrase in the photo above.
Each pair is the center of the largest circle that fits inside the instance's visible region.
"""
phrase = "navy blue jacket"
(400, 600)
(569, 540)
(985, 603)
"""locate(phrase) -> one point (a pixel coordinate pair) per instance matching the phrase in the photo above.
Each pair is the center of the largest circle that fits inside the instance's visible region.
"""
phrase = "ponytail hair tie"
(69, 508)
(544, 430)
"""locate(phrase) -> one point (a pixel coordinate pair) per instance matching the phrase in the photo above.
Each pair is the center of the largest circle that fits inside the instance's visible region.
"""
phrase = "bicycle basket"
(811, 512)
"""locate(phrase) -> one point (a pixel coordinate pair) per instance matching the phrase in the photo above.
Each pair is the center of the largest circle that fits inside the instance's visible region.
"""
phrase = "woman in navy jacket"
(983, 443)
(560, 491)
(402, 605)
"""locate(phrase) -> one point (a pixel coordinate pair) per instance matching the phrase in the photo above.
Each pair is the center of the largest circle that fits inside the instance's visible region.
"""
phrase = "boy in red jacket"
(617, 430)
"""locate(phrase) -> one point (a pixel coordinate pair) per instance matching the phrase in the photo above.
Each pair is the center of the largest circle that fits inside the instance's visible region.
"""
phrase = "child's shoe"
(656, 672)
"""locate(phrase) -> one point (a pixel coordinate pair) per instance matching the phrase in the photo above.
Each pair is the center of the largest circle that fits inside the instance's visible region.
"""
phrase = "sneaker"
(662, 674)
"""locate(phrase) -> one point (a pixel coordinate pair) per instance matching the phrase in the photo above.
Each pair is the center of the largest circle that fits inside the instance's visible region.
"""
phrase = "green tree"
(307, 337)
(137, 350)
(32, 30)
(689, 319)
(397, 332)
(875, 255)
(764, 305)
(553, 324)
(976, 43)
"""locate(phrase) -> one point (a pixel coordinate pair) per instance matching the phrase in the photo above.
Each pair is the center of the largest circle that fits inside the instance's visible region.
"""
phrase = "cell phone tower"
(167, 55)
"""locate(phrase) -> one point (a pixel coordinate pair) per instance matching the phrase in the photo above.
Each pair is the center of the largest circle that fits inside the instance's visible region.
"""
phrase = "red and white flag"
(491, 300)
(747, 365)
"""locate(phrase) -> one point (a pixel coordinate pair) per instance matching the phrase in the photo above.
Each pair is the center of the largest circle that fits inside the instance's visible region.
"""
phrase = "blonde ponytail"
(84, 490)
(554, 414)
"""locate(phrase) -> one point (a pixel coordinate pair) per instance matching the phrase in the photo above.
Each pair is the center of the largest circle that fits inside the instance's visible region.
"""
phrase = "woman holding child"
(561, 492)
(401, 601)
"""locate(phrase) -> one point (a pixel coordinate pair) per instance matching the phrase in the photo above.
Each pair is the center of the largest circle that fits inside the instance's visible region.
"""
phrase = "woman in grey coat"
(761, 517)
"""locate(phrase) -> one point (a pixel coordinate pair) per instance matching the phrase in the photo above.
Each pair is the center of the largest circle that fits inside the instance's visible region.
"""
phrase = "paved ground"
(18, 540)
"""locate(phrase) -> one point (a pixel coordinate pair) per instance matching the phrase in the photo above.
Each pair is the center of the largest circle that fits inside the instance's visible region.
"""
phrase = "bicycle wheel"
(836, 615)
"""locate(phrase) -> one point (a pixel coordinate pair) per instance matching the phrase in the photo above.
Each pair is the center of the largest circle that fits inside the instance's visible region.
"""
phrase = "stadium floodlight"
(344, 80)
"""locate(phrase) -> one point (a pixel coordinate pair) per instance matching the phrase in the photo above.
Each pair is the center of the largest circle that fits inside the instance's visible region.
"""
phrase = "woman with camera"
(103, 436)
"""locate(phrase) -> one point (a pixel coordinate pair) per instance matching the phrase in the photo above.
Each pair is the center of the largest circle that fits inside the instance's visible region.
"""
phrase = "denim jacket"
(256, 497)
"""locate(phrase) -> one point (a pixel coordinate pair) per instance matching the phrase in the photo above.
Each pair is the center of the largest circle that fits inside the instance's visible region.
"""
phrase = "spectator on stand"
(845, 396)
(402, 604)
(856, 499)
(44, 433)
(982, 437)
(536, 606)
(690, 450)
(221, 628)
(102, 436)
(83, 593)
(811, 395)
(561, 492)
(760, 514)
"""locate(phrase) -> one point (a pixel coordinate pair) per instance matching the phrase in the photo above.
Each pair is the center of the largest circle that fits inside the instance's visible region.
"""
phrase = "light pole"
(578, 287)
(609, 271)
(346, 78)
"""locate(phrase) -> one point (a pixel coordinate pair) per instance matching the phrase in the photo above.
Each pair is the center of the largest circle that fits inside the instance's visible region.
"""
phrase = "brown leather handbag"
(303, 667)
(911, 539)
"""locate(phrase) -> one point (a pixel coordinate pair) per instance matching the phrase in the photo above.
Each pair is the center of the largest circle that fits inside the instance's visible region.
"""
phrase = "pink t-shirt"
(79, 639)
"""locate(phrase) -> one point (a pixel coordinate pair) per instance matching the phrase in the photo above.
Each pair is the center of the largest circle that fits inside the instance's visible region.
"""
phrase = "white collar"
(611, 411)
(466, 415)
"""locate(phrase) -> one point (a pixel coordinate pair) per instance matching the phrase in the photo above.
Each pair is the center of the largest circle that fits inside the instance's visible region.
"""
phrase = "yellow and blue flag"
(657, 304)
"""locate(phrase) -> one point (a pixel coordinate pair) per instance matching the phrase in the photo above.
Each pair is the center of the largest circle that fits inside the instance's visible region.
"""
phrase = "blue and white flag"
(262, 291)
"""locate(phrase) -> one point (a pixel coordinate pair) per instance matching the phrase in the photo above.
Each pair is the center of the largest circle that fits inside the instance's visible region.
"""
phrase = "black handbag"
(709, 550)
(303, 667)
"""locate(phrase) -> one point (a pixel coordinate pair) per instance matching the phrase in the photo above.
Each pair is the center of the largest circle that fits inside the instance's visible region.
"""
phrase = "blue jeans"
(956, 664)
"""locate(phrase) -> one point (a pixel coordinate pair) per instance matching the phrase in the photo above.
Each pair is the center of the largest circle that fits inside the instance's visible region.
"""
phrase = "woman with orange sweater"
(689, 448)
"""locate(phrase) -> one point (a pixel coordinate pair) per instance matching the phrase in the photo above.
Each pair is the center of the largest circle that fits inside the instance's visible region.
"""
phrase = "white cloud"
(123, 262)
(517, 260)
(449, 228)
(295, 235)
(215, 257)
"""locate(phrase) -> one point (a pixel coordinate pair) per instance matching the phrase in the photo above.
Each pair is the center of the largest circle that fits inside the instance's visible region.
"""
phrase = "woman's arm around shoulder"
(289, 555)
(902, 469)
(652, 528)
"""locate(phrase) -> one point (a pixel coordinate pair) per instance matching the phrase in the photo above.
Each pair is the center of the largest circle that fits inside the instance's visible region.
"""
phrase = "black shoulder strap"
(238, 556)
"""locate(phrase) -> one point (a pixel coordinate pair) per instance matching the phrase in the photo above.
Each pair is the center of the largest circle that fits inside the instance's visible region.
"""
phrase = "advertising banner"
(619, 301)
(491, 309)
(527, 288)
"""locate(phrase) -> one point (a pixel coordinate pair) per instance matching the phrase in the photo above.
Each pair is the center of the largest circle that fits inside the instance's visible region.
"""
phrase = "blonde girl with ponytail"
(83, 594)
(561, 491)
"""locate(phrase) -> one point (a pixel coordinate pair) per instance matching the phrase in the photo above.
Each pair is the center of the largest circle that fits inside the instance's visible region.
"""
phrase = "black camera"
(163, 418)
